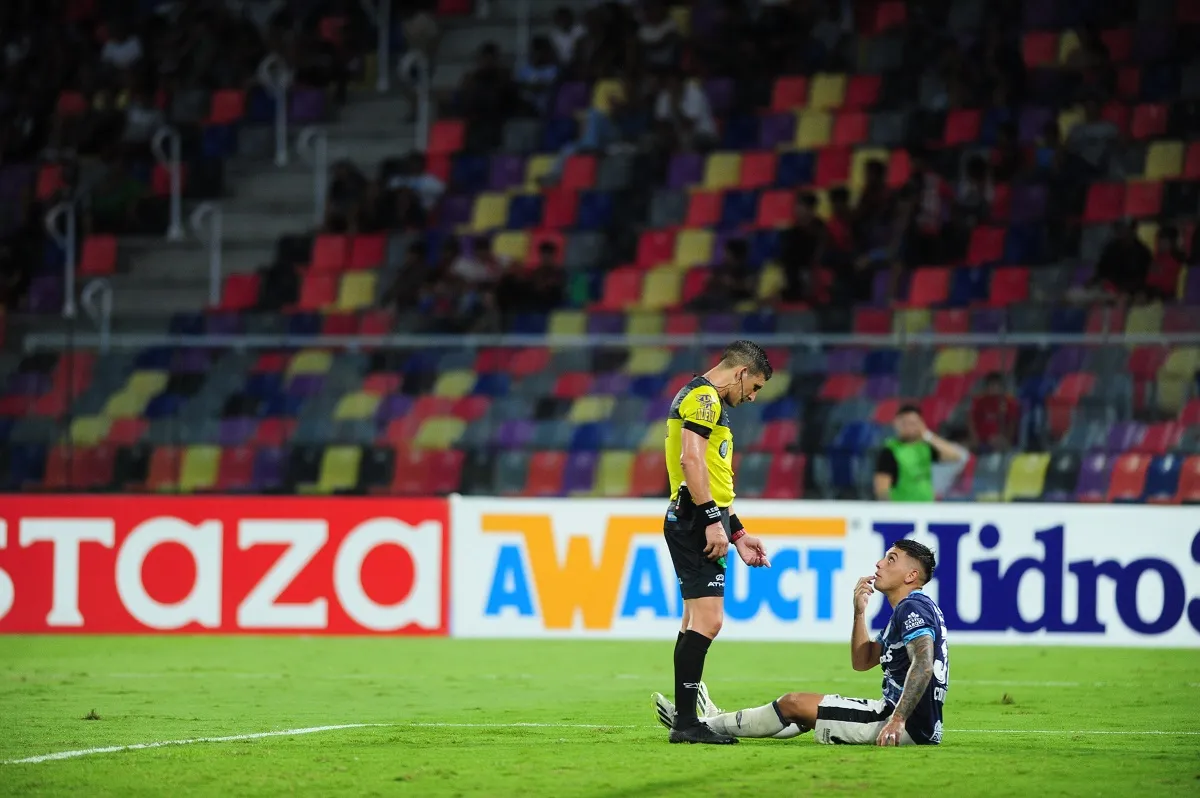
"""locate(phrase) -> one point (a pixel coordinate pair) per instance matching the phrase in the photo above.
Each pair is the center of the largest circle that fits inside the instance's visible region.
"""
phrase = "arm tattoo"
(920, 671)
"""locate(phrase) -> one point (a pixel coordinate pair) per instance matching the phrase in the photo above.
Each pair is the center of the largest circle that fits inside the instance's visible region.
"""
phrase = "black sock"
(678, 642)
(689, 670)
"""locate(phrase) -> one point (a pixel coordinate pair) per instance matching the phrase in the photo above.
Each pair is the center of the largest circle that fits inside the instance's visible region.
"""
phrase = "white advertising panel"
(1067, 574)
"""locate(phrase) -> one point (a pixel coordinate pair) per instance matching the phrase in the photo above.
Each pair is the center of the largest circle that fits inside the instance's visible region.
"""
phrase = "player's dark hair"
(908, 409)
(921, 553)
(748, 353)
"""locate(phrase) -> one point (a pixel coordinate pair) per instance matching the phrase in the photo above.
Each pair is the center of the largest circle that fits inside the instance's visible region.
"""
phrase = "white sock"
(795, 730)
(761, 721)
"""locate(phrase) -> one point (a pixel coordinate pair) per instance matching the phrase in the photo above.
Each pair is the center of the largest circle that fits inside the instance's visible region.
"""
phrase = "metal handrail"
(167, 146)
(67, 239)
(275, 76)
(206, 225)
(380, 13)
(313, 146)
(97, 302)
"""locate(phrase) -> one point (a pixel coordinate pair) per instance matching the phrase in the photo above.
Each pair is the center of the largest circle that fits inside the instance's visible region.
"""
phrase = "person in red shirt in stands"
(994, 416)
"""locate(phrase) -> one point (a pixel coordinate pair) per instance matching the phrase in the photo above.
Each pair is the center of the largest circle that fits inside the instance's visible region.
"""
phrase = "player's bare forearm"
(863, 653)
(920, 672)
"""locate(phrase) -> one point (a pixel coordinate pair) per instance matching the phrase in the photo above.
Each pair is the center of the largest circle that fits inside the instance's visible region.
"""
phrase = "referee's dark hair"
(922, 554)
(748, 353)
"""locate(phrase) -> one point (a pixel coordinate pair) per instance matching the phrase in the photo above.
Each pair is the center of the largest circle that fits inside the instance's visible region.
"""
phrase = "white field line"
(112, 749)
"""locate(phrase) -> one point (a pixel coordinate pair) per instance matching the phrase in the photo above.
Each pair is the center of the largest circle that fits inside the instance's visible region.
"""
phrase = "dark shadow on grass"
(672, 787)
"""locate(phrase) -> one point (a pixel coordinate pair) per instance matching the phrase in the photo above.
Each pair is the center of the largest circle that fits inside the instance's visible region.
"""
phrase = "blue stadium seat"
(795, 169)
(1162, 478)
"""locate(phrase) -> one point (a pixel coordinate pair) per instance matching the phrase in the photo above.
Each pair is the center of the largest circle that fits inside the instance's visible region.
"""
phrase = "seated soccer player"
(912, 651)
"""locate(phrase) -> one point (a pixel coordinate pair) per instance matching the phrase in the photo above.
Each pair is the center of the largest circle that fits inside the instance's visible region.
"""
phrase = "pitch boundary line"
(113, 749)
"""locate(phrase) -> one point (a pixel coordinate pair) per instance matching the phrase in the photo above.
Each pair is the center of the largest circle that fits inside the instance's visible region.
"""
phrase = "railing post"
(276, 78)
(313, 146)
(417, 63)
(167, 147)
(65, 238)
(380, 13)
(209, 214)
(97, 301)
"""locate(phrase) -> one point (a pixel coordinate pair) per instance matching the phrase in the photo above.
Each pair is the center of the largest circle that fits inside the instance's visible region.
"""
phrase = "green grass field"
(1020, 720)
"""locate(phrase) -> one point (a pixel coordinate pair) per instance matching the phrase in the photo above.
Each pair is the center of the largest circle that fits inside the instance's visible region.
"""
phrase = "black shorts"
(684, 528)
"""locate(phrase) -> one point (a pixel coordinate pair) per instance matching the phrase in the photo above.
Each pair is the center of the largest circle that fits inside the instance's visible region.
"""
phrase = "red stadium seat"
(776, 208)
(1119, 43)
(1001, 202)
(318, 291)
(339, 324)
(962, 127)
(885, 411)
(778, 436)
(50, 180)
(413, 473)
(1160, 438)
(454, 8)
(889, 14)
(573, 385)
(785, 477)
(552, 237)
(226, 106)
(274, 431)
(840, 387)
(649, 477)
(529, 361)
(471, 408)
(160, 180)
(929, 287)
(383, 383)
(1040, 48)
(987, 245)
(1106, 318)
(655, 248)
(1117, 113)
(1143, 198)
(1009, 286)
(235, 472)
(899, 168)
(329, 253)
(447, 136)
(99, 256)
(127, 431)
(1129, 82)
(1190, 415)
(71, 103)
(955, 320)
(622, 289)
(376, 322)
(579, 172)
(561, 208)
(833, 166)
(367, 252)
(240, 292)
(438, 165)
(850, 127)
(1105, 203)
(995, 358)
(1149, 121)
(757, 170)
(1128, 479)
(935, 411)
(790, 91)
(953, 388)
(1191, 161)
(1060, 406)
(163, 471)
(694, 283)
(545, 474)
(872, 321)
(681, 324)
(862, 92)
(704, 210)
(1189, 481)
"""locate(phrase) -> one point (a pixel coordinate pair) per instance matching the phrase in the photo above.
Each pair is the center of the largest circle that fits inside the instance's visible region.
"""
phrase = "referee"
(700, 523)
(904, 466)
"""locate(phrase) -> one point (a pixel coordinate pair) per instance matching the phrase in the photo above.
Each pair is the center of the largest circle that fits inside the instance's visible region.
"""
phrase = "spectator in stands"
(116, 201)
(1162, 281)
(142, 119)
(684, 116)
(1093, 142)
(538, 78)
(1006, 157)
(659, 36)
(603, 50)
(1123, 265)
(565, 36)
(123, 50)
(972, 203)
(421, 38)
(931, 196)
(997, 59)
(410, 278)
(412, 173)
(995, 415)
(730, 282)
(537, 288)
(1090, 66)
(347, 191)
(801, 248)
(874, 207)
(832, 32)
(487, 95)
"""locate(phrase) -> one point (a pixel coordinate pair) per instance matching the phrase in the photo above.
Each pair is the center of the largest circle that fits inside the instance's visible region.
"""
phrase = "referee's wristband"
(739, 530)
(711, 512)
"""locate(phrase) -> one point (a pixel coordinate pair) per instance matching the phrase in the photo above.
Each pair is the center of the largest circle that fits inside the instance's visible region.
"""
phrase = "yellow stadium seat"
(605, 92)
(648, 360)
(1147, 232)
(90, 430)
(591, 408)
(339, 469)
(568, 322)
(454, 384)
(916, 320)
(1164, 160)
(644, 323)
(126, 405)
(858, 165)
(653, 437)
(1068, 119)
(536, 168)
(310, 361)
(357, 291)
(1175, 378)
(1144, 319)
(490, 212)
(439, 432)
(512, 245)
(614, 474)
(199, 468)
(775, 388)
(356, 406)
(771, 281)
(722, 170)
(682, 15)
(827, 91)
(954, 360)
(1026, 477)
(1068, 44)
(813, 129)
(662, 288)
(147, 383)
(694, 248)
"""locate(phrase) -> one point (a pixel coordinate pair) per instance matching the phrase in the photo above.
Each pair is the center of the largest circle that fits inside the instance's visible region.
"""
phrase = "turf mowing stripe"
(112, 749)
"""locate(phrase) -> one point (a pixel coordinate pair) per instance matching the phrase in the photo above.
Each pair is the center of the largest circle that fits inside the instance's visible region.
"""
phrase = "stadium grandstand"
(232, 264)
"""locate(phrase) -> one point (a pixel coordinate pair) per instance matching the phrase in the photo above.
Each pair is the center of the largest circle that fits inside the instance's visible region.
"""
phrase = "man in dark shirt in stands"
(800, 250)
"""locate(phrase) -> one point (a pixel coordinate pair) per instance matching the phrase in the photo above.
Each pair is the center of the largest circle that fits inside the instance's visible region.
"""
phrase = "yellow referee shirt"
(698, 408)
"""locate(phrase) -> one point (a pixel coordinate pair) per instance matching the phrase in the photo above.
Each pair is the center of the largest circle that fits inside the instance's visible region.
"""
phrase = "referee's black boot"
(698, 732)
